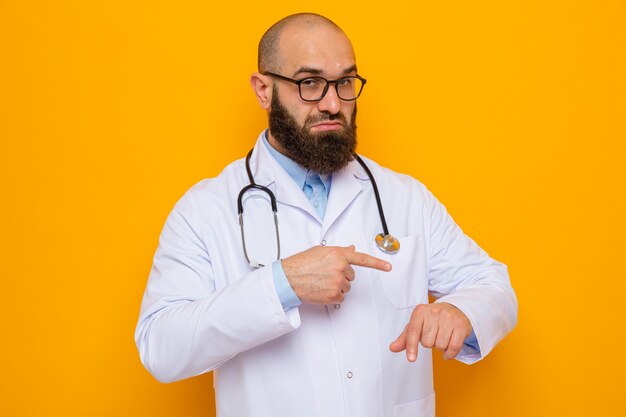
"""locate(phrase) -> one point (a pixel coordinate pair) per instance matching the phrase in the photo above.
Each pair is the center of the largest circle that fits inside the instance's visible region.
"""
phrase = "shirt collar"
(296, 171)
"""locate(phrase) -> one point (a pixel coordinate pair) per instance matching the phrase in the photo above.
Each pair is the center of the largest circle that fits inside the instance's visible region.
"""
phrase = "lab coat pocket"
(406, 284)
(421, 408)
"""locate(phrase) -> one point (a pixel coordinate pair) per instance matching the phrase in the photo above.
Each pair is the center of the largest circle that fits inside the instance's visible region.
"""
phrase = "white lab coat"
(205, 309)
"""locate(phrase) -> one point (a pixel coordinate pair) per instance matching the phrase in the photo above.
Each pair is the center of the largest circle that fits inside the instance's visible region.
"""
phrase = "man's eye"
(345, 82)
(310, 83)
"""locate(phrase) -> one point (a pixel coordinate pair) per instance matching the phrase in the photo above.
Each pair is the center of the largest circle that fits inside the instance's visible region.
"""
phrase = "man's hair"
(268, 46)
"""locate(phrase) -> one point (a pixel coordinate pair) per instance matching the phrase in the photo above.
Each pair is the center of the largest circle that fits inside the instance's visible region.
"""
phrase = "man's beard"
(323, 152)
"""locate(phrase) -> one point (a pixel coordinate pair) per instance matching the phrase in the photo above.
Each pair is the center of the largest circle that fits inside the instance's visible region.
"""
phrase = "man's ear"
(262, 89)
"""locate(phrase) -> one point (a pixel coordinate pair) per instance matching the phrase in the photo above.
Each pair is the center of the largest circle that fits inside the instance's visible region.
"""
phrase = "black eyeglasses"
(315, 88)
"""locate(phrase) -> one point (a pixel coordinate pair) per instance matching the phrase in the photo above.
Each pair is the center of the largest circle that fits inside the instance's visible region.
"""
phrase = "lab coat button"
(349, 375)
(337, 306)
(323, 243)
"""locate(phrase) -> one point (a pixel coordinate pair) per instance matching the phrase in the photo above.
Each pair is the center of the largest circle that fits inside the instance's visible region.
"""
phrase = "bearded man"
(307, 316)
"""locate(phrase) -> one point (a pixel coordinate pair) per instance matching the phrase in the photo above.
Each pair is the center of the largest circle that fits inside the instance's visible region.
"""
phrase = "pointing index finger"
(367, 261)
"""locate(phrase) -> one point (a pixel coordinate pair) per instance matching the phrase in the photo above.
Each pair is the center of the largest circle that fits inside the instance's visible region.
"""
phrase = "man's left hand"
(438, 325)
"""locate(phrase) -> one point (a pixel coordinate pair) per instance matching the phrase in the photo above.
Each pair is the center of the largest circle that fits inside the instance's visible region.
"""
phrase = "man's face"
(321, 136)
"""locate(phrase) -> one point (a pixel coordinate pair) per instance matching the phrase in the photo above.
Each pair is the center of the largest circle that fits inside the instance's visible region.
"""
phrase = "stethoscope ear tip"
(387, 243)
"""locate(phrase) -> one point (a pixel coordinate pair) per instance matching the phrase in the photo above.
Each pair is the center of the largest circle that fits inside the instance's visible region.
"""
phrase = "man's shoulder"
(230, 174)
(216, 190)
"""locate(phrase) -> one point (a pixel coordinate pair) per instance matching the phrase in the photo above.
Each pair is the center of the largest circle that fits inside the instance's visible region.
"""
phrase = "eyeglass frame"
(328, 82)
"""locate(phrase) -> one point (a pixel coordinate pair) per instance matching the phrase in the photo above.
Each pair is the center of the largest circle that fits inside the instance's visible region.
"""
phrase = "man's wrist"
(286, 294)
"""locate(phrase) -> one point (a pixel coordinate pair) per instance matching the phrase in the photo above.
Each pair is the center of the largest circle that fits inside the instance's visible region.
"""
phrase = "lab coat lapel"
(268, 172)
(346, 185)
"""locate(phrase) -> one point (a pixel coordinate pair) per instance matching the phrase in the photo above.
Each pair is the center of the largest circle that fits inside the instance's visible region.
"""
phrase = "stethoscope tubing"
(381, 213)
(384, 240)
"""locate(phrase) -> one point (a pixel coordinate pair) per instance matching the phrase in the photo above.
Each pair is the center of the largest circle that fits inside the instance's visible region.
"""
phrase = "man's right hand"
(322, 274)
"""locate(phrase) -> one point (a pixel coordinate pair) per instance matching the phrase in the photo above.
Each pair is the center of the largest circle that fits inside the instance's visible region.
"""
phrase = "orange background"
(513, 113)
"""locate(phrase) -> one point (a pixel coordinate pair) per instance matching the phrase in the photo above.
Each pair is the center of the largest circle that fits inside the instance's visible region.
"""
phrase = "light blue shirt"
(316, 188)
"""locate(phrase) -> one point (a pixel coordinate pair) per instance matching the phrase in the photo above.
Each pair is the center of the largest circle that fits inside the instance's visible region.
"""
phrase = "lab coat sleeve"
(187, 327)
(462, 274)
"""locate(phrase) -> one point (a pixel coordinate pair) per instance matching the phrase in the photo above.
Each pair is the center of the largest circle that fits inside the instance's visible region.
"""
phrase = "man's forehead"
(318, 50)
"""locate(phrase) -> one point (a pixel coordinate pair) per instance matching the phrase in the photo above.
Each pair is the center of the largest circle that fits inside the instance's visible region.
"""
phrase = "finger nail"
(387, 267)
(412, 356)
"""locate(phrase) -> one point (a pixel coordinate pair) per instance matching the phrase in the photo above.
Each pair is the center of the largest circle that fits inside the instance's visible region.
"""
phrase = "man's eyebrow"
(349, 70)
(317, 71)
(308, 70)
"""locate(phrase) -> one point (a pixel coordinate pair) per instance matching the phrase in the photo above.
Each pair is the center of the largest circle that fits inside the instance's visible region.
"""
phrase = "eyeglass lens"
(314, 88)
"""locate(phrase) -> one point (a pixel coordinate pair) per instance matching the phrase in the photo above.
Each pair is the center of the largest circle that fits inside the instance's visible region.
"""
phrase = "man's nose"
(331, 103)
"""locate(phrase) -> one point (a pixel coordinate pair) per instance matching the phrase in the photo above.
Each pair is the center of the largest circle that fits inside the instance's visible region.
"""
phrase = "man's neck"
(276, 145)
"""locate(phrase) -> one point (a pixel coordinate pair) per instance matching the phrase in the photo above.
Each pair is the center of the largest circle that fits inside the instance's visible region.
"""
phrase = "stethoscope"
(385, 242)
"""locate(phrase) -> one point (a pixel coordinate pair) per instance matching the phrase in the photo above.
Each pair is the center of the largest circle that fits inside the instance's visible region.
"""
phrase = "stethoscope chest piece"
(387, 243)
